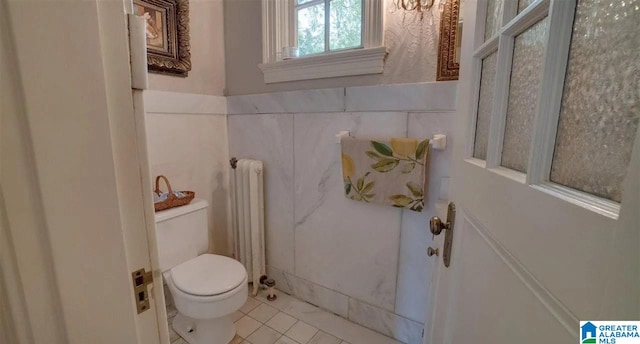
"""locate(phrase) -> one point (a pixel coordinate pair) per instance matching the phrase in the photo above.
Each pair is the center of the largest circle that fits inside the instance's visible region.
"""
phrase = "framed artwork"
(450, 42)
(167, 26)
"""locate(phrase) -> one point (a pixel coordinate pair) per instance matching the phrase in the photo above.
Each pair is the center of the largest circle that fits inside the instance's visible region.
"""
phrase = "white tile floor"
(288, 320)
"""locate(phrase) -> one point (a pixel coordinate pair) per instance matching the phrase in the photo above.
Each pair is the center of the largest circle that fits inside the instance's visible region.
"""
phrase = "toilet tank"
(182, 233)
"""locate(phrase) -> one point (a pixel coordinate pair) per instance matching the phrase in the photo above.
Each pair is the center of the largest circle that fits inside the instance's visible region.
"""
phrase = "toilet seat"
(208, 275)
(209, 306)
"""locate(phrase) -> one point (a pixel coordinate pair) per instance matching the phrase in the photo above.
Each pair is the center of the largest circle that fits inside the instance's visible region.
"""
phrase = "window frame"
(278, 30)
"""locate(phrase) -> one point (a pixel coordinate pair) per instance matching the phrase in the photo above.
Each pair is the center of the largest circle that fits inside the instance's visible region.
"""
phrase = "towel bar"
(439, 141)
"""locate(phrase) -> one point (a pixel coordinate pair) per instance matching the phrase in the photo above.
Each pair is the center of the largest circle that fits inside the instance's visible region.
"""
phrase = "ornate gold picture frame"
(449, 43)
(168, 46)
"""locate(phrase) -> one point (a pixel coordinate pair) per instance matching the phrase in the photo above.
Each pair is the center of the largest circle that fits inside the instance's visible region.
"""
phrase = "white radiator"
(247, 207)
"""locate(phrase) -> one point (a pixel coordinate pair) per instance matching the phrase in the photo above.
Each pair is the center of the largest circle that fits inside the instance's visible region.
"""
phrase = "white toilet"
(206, 288)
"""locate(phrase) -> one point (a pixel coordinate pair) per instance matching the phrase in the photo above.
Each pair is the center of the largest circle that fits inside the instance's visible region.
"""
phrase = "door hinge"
(141, 279)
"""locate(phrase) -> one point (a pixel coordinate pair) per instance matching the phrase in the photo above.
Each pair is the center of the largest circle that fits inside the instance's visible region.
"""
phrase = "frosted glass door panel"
(522, 4)
(526, 73)
(494, 18)
(485, 105)
(601, 102)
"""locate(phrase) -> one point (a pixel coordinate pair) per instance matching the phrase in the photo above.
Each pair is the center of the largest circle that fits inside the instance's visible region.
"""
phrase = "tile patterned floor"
(288, 320)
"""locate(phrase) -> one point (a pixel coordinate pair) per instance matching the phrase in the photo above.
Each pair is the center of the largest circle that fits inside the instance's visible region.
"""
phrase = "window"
(334, 37)
(328, 25)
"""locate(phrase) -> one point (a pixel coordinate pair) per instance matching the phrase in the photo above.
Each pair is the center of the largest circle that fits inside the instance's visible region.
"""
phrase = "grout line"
(406, 126)
(293, 190)
(344, 100)
(418, 111)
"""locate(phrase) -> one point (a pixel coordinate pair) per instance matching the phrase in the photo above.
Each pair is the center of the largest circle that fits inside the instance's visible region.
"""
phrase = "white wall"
(207, 75)
(364, 262)
(186, 120)
(412, 43)
(187, 142)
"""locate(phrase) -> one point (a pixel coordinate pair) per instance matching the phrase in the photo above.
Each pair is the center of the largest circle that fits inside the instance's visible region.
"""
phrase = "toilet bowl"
(206, 291)
(206, 288)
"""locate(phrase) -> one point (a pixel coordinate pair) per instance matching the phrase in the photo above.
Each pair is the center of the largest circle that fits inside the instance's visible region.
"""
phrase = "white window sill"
(343, 63)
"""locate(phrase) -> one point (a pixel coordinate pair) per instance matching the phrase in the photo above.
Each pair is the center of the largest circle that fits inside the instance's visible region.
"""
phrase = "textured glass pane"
(494, 17)
(345, 24)
(311, 29)
(526, 73)
(485, 105)
(601, 99)
(300, 2)
(522, 4)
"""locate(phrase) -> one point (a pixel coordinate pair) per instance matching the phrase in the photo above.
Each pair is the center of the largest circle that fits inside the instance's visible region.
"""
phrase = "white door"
(73, 174)
(546, 174)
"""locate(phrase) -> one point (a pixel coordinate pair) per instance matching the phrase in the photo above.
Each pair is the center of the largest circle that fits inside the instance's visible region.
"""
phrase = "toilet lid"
(208, 275)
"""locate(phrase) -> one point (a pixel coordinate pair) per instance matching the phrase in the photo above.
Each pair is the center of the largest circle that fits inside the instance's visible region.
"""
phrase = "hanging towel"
(390, 172)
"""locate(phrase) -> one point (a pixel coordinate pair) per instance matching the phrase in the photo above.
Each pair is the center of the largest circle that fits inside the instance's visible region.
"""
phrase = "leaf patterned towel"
(391, 172)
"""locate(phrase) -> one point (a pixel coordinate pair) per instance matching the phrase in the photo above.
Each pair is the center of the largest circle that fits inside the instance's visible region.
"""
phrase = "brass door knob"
(436, 225)
(432, 251)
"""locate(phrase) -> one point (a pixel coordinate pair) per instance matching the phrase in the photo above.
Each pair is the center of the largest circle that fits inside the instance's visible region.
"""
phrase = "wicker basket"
(172, 200)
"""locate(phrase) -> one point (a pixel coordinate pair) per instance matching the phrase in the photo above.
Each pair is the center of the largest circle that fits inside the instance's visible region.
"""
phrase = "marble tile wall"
(330, 99)
(348, 246)
(414, 268)
(360, 312)
(269, 138)
(425, 96)
(363, 262)
(187, 142)
(318, 295)
(390, 324)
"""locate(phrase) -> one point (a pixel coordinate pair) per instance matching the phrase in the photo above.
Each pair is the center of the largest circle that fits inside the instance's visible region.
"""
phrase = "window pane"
(494, 17)
(485, 105)
(300, 2)
(526, 72)
(600, 103)
(345, 24)
(311, 29)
